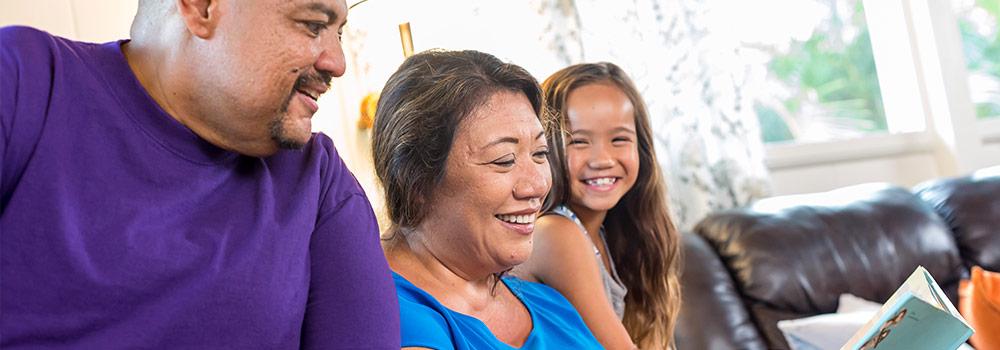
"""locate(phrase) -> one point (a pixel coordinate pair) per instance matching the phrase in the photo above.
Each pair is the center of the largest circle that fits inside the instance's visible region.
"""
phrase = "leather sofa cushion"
(793, 256)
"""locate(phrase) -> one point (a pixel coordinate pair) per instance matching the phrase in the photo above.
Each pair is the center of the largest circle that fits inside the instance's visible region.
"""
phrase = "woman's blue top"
(427, 323)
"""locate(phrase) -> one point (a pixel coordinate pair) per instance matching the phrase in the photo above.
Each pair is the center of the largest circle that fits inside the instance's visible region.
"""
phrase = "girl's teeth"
(517, 219)
(601, 181)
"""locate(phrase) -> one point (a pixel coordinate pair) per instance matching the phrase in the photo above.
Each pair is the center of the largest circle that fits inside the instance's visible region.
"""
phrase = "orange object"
(979, 303)
(368, 105)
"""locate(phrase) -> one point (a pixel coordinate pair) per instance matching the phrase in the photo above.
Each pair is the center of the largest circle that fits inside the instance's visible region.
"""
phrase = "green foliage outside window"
(835, 80)
(982, 55)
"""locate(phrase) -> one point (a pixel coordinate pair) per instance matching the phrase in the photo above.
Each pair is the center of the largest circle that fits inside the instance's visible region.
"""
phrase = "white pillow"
(831, 331)
(822, 332)
(851, 303)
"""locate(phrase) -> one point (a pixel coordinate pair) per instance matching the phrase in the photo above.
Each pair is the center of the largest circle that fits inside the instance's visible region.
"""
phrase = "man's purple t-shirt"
(121, 228)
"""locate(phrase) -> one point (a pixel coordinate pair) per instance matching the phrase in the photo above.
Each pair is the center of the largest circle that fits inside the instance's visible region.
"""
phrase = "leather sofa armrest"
(970, 205)
(712, 312)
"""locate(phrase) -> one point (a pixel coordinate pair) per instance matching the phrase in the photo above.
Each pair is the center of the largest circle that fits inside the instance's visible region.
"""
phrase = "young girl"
(606, 241)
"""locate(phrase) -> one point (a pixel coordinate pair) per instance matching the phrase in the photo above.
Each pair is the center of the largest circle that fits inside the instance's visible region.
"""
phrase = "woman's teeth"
(517, 219)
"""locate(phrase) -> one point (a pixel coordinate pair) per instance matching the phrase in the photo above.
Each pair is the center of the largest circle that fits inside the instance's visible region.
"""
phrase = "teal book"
(918, 316)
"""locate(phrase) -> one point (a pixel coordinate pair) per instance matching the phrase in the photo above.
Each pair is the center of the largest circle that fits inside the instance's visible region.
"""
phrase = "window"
(978, 22)
(820, 82)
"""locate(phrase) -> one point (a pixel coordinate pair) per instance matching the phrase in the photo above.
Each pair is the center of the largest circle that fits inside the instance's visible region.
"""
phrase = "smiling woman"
(460, 149)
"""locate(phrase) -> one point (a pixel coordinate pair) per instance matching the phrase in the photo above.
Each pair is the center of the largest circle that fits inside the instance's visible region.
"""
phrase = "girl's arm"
(563, 258)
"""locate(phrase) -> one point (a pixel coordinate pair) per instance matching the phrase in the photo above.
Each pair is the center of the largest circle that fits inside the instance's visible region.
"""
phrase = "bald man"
(166, 192)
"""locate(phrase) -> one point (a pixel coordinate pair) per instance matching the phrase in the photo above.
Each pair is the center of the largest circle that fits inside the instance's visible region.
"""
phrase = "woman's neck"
(445, 277)
(476, 294)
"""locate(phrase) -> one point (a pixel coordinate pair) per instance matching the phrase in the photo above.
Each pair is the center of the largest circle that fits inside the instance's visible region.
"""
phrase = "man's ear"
(201, 17)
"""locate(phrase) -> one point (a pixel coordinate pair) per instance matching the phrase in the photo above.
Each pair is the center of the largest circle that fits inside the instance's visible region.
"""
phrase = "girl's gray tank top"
(613, 287)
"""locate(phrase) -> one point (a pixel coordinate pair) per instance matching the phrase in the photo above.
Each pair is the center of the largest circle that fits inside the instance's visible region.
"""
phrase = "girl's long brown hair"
(642, 239)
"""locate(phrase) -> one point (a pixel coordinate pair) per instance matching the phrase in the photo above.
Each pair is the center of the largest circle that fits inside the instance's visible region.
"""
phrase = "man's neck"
(148, 64)
(163, 78)
(168, 80)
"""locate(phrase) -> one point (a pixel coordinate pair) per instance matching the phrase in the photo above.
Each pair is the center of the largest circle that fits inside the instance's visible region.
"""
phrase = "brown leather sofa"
(792, 256)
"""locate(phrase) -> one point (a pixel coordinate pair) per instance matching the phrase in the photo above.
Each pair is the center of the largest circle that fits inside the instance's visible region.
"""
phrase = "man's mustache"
(313, 78)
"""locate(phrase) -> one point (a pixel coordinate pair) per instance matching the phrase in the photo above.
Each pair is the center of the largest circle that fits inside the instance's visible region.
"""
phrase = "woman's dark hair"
(642, 239)
(417, 115)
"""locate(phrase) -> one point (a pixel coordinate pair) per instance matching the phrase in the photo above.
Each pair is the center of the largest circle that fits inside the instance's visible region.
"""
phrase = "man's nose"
(331, 57)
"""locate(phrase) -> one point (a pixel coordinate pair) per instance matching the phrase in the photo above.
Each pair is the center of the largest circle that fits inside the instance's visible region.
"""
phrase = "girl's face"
(602, 154)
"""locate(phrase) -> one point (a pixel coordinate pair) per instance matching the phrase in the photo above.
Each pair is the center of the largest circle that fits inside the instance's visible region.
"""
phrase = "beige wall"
(87, 20)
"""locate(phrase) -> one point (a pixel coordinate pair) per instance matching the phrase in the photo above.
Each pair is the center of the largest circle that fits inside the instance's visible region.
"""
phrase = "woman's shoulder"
(416, 303)
(539, 296)
(556, 322)
(423, 320)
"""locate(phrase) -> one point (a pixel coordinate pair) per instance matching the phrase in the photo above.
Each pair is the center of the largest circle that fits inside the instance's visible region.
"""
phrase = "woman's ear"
(201, 17)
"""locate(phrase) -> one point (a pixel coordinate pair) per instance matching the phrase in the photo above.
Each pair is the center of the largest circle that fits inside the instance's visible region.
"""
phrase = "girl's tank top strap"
(569, 214)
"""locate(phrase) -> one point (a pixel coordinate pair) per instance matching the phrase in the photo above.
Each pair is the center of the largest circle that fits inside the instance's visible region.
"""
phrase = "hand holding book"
(917, 316)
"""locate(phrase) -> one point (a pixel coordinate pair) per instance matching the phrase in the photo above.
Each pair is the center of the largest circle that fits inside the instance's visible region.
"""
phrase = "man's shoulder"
(33, 51)
(318, 152)
(325, 143)
(25, 39)
(319, 157)
(18, 33)
(330, 162)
